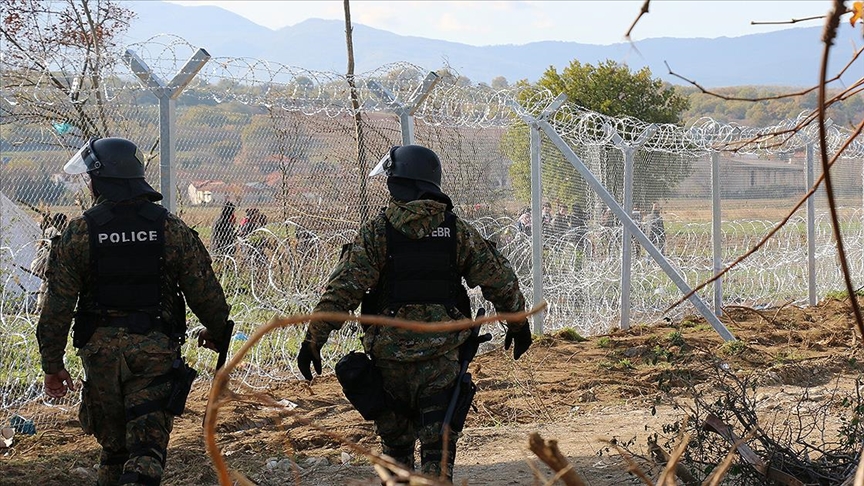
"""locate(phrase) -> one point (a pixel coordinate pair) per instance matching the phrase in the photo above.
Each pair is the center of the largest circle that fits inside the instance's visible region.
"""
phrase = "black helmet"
(113, 157)
(115, 166)
(413, 172)
(413, 162)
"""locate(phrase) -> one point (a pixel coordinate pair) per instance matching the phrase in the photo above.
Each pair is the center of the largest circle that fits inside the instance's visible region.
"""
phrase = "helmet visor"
(385, 165)
(83, 160)
(76, 164)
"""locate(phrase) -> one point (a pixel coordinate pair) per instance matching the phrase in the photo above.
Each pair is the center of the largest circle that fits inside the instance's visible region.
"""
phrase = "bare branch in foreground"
(782, 22)
(548, 452)
(220, 394)
(642, 11)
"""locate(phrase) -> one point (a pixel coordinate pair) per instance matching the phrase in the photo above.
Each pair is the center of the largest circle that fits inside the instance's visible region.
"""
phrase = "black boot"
(431, 456)
(403, 454)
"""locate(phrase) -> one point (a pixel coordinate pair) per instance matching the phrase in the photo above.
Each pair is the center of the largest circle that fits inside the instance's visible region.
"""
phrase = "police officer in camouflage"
(127, 263)
(409, 262)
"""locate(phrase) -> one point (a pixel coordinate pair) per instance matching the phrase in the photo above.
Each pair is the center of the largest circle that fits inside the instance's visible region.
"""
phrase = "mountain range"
(787, 57)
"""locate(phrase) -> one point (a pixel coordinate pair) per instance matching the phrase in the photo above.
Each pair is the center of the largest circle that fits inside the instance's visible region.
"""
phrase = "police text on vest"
(128, 236)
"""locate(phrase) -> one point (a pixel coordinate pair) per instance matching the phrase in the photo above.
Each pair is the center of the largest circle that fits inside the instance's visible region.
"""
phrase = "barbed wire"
(270, 275)
(282, 268)
(265, 83)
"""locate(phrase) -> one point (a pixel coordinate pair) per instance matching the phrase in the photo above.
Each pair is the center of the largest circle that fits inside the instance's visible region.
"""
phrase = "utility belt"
(363, 386)
(86, 324)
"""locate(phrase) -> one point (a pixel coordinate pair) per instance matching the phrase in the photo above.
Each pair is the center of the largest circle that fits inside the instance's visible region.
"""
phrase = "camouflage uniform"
(414, 365)
(124, 369)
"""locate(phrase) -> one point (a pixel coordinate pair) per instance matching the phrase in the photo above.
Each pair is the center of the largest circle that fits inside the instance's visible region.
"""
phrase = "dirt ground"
(623, 386)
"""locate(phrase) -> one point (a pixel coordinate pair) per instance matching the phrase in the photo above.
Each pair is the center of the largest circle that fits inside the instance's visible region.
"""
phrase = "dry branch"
(828, 40)
(548, 452)
(667, 478)
(780, 225)
(642, 12)
(781, 22)
(663, 457)
(858, 478)
(714, 424)
(719, 472)
(632, 467)
(221, 394)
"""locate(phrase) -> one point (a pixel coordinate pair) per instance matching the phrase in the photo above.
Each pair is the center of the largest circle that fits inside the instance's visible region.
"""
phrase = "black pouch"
(362, 384)
(463, 403)
(82, 330)
(181, 385)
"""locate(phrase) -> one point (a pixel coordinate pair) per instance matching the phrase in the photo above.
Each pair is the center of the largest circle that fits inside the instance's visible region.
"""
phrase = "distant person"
(222, 241)
(254, 220)
(657, 228)
(608, 221)
(561, 222)
(254, 243)
(523, 224)
(546, 217)
(578, 224)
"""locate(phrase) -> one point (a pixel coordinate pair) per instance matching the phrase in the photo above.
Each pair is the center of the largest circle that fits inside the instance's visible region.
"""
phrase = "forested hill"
(847, 113)
(784, 58)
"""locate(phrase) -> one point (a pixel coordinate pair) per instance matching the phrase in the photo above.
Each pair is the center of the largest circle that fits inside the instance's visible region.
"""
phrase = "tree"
(499, 82)
(449, 76)
(610, 89)
(56, 58)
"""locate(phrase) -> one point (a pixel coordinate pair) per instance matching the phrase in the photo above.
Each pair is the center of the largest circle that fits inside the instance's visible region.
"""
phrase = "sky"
(490, 22)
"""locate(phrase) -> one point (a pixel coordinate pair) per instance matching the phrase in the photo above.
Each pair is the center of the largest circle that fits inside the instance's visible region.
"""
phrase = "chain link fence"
(285, 146)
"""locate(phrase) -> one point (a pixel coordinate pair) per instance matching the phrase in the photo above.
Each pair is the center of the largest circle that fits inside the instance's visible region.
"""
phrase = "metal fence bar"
(637, 232)
(167, 93)
(629, 151)
(811, 229)
(716, 232)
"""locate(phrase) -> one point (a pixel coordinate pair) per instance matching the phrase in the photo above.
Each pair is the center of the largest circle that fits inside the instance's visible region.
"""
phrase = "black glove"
(308, 355)
(522, 338)
(205, 340)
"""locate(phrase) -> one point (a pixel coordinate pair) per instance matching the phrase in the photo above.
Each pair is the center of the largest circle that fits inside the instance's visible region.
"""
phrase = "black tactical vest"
(127, 244)
(424, 271)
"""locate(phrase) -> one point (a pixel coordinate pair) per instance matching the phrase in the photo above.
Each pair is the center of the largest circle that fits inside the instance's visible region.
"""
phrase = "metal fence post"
(405, 111)
(536, 202)
(167, 93)
(811, 229)
(652, 250)
(629, 150)
(536, 226)
(716, 232)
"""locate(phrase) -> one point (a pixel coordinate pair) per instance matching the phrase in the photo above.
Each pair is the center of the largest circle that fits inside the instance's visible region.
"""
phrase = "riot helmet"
(413, 172)
(411, 162)
(108, 157)
(115, 166)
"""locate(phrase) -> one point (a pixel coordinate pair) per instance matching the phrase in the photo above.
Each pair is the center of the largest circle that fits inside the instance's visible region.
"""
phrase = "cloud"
(447, 22)
(375, 14)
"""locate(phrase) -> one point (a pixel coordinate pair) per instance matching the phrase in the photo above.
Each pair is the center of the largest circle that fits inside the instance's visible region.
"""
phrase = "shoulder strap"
(100, 214)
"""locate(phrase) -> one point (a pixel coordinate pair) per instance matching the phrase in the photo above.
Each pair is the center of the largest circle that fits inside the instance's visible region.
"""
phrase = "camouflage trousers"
(412, 383)
(124, 378)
